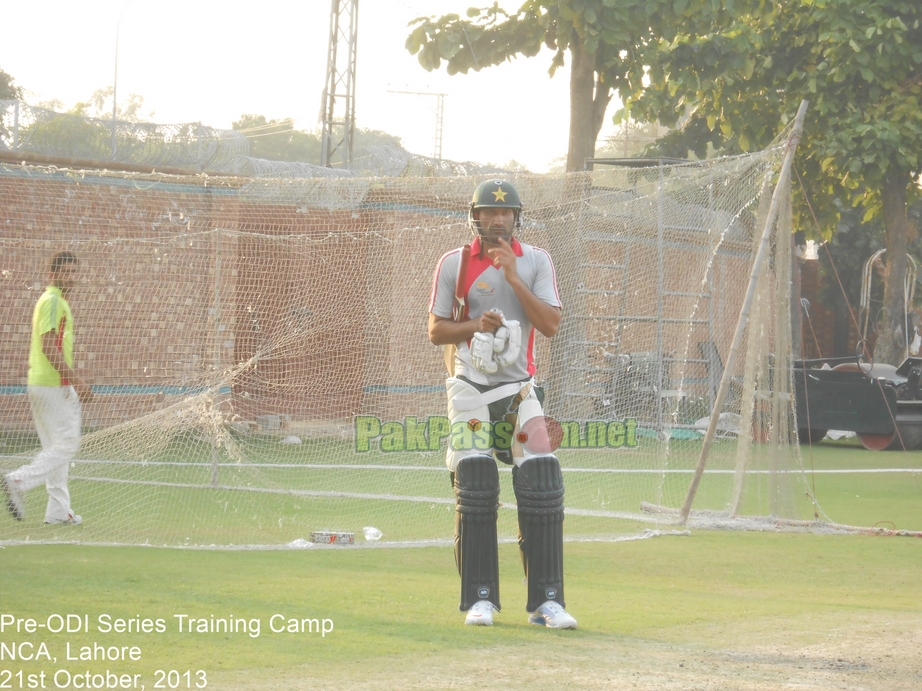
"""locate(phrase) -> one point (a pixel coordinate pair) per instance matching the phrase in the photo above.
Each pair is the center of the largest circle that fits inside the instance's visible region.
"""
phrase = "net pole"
(661, 382)
(216, 390)
(725, 379)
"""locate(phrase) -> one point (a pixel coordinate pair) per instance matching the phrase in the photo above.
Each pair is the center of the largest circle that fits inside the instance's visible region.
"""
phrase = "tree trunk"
(891, 344)
(588, 101)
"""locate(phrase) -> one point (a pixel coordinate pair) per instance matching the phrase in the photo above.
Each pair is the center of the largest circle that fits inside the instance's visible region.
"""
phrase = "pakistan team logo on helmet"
(496, 193)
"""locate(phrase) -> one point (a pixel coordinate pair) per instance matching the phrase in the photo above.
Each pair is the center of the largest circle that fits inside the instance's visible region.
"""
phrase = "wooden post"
(744, 314)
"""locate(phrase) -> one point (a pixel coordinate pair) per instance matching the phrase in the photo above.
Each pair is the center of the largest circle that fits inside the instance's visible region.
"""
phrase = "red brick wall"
(185, 278)
(163, 303)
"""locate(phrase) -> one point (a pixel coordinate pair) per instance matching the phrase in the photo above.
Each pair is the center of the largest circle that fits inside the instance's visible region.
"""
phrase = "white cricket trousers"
(57, 414)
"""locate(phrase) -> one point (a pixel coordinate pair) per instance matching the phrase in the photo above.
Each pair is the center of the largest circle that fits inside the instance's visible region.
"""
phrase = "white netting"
(247, 339)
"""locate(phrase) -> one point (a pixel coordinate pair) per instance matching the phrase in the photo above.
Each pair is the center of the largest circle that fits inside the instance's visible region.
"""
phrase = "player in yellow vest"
(55, 395)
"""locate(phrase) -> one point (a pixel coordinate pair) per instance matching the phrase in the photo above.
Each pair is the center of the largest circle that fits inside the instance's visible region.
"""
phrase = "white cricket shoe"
(552, 615)
(72, 519)
(13, 498)
(481, 614)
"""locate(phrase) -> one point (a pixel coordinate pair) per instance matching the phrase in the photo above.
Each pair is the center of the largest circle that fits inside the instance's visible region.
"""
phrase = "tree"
(69, 135)
(630, 139)
(601, 38)
(736, 74)
(365, 138)
(8, 90)
(277, 140)
(98, 106)
(85, 130)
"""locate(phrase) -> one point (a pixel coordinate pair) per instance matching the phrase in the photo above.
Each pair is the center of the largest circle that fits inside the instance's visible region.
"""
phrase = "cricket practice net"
(261, 369)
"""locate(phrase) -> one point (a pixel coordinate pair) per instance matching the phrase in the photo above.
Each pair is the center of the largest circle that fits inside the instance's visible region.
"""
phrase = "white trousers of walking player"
(57, 414)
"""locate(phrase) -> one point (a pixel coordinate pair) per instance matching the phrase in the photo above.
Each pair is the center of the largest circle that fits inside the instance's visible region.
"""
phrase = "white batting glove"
(500, 338)
(482, 352)
(513, 343)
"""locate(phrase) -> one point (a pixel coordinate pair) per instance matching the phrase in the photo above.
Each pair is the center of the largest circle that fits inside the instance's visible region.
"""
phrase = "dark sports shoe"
(552, 615)
(13, 498)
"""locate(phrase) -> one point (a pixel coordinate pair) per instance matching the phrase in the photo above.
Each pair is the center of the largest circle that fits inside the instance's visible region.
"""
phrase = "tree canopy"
(736, 75)
(8, 90)
(128, 109)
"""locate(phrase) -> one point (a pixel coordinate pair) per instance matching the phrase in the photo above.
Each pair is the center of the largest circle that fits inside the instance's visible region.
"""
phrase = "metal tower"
(337, 113)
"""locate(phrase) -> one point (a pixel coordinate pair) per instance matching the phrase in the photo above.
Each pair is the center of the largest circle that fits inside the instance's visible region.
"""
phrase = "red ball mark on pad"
(474, 425)
(541, 435)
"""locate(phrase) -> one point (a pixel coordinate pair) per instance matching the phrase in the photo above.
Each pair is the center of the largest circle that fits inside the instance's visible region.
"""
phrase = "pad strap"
(491, 396)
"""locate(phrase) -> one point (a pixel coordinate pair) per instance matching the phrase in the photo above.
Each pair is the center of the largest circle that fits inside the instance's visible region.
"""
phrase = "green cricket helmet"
(494, 194)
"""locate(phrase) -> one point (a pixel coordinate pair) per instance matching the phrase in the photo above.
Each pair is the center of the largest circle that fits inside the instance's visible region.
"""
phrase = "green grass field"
(708, 609)
(281, 494)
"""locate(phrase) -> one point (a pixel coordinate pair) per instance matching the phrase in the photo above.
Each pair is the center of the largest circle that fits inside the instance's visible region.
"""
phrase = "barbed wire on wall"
(251, 167)
(393, 161)
(35, 130)
(25, 128)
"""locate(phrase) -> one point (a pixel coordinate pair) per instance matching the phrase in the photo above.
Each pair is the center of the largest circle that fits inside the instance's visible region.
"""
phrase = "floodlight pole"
(118, 28)
(337, 111)
(725, 379)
